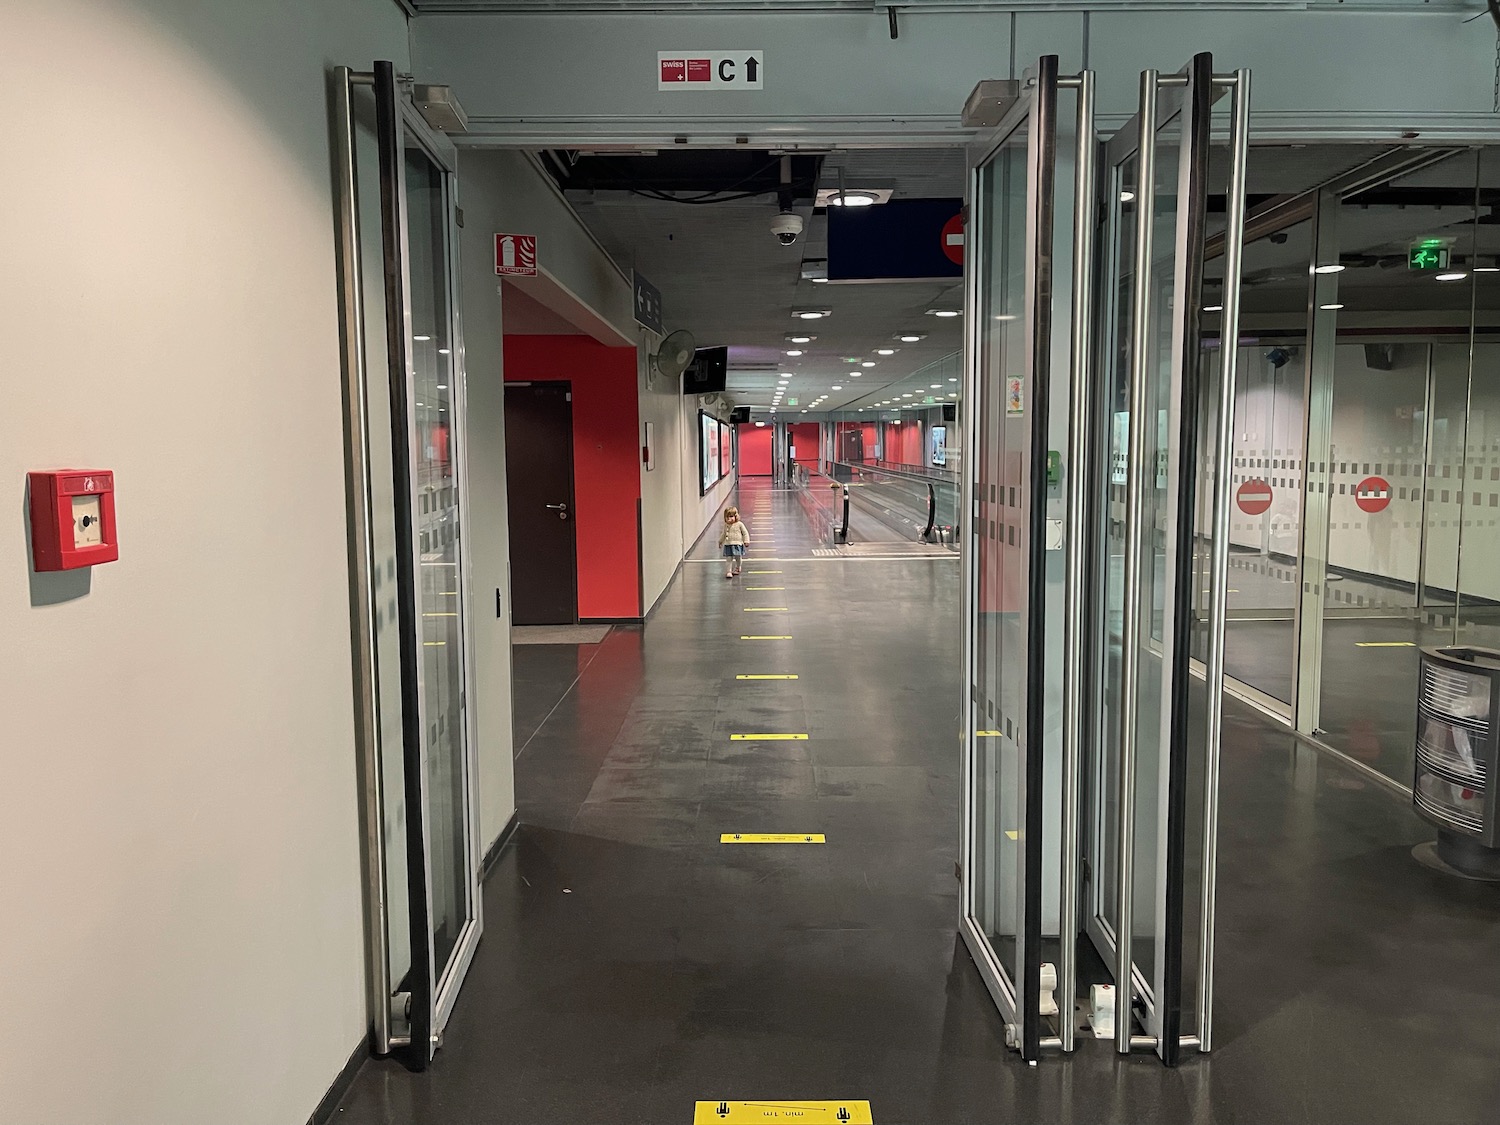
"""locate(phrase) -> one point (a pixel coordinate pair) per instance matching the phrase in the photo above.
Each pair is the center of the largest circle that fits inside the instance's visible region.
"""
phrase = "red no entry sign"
(1253, 497)
(953, 239)
(1373, 494)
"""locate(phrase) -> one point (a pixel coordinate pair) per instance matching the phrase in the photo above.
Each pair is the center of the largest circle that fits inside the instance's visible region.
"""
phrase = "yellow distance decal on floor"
(768, 738)
(772, 838)
(762, 572)
(987, 734)
(747, 587)
(765, 609)
(769, 637)
(1385, 644)
(758, 676)
(757, 1113)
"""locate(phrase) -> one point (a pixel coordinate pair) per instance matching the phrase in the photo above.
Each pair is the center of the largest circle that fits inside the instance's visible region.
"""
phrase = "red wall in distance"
(804, 438)
(606, 460)
(903, 442)
(755, 450)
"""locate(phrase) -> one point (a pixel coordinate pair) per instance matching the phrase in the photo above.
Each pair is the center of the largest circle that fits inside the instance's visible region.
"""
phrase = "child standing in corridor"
(734, 538)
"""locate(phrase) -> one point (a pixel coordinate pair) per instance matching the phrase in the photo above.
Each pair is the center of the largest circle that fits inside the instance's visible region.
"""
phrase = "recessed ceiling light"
(836, 387)
(906, 396)
(1213, 308)
(1487, 269)
(937, 386)
(855, 374)
(944, 313)
(1127, 197)
(445, 351)
(810, 314)
(1456, 276)
(853, 199)
(912, 337)
(868, 363)
(760, 423)
(442, 386)
(795, 351)
(800, 339)
(885, 351)
(1333, 268)
(421, 337)
(1330, 308)
(786, 375)
(952, 380)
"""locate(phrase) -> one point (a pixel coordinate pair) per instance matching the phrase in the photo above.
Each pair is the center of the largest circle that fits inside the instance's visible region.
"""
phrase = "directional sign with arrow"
(710, 70)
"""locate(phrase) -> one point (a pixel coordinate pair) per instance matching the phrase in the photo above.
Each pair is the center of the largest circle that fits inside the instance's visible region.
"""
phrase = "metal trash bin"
(1458, 713)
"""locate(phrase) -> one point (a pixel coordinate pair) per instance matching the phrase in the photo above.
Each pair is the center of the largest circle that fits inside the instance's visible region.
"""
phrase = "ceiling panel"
(725, 278)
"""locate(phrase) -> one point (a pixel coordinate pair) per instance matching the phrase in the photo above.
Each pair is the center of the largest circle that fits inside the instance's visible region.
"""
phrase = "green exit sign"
(791, 402)
(1427, 256)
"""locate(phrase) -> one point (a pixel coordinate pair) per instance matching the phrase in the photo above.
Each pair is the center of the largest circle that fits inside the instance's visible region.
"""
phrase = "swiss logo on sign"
(1373, 494)
(515, 255)
(1253, 497)
(953, 239)
(710, 70)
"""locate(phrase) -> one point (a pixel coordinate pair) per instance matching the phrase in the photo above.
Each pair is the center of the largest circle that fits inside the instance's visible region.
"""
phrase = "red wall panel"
(606, 460)
(755, 451)
(804, 438)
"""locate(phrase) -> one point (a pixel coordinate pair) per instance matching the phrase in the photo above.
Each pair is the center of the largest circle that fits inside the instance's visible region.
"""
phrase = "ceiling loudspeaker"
(672, 358)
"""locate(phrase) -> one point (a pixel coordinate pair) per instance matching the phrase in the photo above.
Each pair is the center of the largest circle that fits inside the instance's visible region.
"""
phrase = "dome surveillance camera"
(786, 226)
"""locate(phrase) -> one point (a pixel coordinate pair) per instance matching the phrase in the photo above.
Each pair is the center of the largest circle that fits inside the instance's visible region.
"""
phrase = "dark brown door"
(539, 476)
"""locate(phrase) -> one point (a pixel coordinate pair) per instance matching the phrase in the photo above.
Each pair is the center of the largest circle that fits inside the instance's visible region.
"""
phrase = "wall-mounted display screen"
(709, 468)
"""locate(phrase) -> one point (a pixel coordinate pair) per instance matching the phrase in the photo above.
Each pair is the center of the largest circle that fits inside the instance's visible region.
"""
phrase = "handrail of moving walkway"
(931, 514)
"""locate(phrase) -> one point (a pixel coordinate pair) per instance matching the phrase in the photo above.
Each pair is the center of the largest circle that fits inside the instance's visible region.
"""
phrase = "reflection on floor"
(632, 964)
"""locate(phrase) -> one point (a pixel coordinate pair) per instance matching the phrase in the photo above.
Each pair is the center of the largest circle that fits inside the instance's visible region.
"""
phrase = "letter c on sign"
(726, 70)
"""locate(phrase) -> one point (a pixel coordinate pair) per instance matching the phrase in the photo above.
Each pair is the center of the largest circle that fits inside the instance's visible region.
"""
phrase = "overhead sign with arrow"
(710, 70)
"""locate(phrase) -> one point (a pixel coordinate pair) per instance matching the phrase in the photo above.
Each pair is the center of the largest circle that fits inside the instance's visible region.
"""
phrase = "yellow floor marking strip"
(786, 637)
(434, 644)
(768, 738)
(439, 615)
(772, 838)
(1385, 644)
(761, 677)
(758, 1113)
(1011, 835)
(987, 734)
(762, 572)
(765, 609)
(747, 587)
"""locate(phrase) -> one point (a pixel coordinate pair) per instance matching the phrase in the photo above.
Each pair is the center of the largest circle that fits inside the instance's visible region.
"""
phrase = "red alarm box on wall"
(72, 519)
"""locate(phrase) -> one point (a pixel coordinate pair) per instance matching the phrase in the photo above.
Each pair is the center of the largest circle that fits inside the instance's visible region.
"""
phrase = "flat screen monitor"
(709, 370)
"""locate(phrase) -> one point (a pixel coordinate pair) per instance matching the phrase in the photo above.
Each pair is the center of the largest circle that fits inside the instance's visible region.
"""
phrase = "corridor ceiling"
(725, 277)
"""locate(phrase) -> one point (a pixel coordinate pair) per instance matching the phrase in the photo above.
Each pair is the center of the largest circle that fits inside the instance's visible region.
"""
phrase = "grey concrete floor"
(631, 964)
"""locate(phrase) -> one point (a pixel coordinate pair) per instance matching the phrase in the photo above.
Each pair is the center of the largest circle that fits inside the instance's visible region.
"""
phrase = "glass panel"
(382, 521)
(1267, 471)
(1397, 487)
(1000, 557)
(1114, 430)
(437, 523)
(1478, 574)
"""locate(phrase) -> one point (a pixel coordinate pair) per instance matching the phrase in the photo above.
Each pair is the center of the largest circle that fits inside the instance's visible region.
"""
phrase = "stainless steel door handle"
(558, 507)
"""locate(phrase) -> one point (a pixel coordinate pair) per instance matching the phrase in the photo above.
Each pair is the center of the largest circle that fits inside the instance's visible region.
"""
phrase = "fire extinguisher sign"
(515, 255)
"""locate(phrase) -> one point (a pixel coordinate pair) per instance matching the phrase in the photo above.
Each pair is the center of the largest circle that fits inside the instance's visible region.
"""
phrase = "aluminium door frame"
(1005, 992)
(442, 152)
(392, 130)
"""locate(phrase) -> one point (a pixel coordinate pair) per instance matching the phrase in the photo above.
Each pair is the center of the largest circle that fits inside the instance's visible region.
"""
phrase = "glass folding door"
(411, 604)
(1022, 214)
(1149, 893)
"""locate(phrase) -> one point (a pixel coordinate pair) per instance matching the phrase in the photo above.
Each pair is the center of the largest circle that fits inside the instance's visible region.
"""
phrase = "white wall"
(182, 936)
(481, 195)
(663, 487)
(698, 511)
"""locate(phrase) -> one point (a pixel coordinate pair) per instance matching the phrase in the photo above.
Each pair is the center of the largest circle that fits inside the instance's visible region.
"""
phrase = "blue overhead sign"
(647, 304)
(903, 240)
